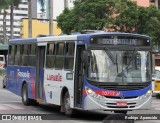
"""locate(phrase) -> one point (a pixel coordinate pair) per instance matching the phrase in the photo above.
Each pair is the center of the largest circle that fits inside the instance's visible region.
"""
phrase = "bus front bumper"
(109, 104)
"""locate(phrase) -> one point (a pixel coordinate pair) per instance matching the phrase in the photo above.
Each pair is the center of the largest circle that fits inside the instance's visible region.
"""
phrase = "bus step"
(39, 100)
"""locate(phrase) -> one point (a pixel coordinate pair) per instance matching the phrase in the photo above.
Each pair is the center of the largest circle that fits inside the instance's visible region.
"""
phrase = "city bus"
(108, 71)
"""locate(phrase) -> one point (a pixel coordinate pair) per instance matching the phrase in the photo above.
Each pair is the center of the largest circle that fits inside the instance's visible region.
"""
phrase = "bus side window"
(24, 55)
(11, 55)
(59, 56)
(32, 55)
(50, 57)
(17, 55)
(69, 56)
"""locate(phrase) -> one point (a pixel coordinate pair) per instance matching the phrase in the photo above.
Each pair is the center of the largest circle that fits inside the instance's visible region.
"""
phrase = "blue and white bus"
(100, 71)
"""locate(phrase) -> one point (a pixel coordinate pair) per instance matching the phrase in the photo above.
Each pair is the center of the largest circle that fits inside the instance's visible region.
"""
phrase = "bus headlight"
(93, 94)
(149, 92)
(89, 91)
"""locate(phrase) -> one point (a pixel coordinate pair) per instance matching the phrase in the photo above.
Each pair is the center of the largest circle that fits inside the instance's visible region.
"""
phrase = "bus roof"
(85, 36)
(78, 37)
(57, 38)
(23, 40)
(114, 33)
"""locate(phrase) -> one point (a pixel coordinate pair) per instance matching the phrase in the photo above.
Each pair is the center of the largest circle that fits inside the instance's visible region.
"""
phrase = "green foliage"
(15, 2)
(87, 14)
(116, 15)
(4, 4)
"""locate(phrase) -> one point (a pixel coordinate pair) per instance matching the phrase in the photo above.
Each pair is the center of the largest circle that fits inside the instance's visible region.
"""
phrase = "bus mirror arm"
(85, 57)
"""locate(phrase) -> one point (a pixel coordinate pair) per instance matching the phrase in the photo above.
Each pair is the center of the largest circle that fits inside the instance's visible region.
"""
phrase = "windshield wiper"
(112, 58)
(131, 59)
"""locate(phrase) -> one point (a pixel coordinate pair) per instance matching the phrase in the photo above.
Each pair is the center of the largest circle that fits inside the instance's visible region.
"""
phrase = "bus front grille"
(118, 97)
(127, 87)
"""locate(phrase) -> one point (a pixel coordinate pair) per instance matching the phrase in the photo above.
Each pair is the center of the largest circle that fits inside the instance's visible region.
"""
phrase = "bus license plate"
(121, 104)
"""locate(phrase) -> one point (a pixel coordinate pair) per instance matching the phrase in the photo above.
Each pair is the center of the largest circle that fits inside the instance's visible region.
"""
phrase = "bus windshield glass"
(118, 66)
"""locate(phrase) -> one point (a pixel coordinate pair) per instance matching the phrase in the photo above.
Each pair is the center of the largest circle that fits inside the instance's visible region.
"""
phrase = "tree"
(128, 18)
(13, 3)
(111, 15)
(149, 22)
(142, 20)
(89, 14)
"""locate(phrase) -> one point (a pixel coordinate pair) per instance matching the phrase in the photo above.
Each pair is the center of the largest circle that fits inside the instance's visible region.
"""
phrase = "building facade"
(39, 27)
(58, 7)
(20, 12)
(147, 3)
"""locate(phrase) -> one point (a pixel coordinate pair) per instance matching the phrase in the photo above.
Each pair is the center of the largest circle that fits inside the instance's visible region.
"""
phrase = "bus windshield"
(118, 66)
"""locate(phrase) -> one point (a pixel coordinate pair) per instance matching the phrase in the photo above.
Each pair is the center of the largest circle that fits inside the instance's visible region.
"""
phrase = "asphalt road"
(12, 104)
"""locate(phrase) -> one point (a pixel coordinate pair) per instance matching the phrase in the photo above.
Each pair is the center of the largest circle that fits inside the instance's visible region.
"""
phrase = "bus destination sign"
(110, 40)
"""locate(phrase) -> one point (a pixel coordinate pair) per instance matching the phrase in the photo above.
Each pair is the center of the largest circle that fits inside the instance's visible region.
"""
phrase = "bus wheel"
(66, 104)
(4, 86)
(4, 82)
(25, 99)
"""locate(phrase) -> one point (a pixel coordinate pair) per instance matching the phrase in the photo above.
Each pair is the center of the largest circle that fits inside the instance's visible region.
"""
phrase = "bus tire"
(26, 101)
(4, 86)
(66, 105)
(4, 82)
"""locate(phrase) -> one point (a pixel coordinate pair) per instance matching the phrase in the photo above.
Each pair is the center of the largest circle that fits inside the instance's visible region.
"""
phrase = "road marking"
(10, 101)
(3, 108)
(13, 106)
(10, 107)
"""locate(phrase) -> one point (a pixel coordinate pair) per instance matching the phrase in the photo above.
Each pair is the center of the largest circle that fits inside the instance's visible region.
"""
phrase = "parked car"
(3, 69)
(156, 82)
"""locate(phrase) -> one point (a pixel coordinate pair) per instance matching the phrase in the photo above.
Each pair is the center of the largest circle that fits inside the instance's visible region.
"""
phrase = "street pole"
(29, 19)
(11, 20)
(50, 17)
(4, 27)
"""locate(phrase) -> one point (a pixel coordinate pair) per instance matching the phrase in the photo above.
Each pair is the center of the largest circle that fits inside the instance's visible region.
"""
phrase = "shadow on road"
(79, 115)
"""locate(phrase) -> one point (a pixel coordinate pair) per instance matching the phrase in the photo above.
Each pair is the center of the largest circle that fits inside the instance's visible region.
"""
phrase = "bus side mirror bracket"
(85, 57)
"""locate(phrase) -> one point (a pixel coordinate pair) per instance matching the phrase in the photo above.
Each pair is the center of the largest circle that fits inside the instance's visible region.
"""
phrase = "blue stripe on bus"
(130, 93)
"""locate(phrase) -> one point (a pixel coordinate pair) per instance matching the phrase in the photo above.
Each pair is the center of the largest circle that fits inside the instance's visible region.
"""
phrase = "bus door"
(40, 72)
(79, 72)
